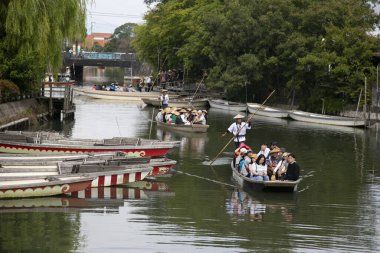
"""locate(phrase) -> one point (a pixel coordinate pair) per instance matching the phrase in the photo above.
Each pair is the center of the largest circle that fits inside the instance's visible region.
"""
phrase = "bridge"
(99, 59)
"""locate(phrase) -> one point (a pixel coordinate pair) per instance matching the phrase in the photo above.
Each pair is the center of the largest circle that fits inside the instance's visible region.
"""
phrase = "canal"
(200, 208)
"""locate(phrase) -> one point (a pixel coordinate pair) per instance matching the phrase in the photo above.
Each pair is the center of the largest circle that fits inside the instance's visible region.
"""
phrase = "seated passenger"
(259, 169)
(183, 117)
(168, 117)
(200, 119)
(281, 166)
(244, 162)
(293, 171)
(237, 153)
(174, 116)
(264, 150)
(159, 116)
(243, 152)
(273, 160)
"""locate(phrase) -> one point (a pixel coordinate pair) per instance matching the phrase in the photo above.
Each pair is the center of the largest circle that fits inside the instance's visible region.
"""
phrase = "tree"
(121, 39)
(318, 48)
(33, 33)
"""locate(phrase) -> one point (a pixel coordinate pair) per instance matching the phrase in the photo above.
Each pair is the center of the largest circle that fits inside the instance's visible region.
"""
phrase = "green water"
(199, 208)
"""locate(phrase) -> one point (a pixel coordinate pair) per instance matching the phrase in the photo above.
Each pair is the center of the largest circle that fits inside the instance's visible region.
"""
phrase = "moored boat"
(119, 95)
(159, 166)
(42, 187)
(272, 185)
(267, 111)
(326, 119)
(227, 105)
(179, 102)
(192, 128)
(39, 143)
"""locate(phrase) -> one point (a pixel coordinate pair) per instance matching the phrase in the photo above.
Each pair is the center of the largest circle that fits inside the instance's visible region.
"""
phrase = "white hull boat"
(267, 111)
(326, 119)
(227, 105)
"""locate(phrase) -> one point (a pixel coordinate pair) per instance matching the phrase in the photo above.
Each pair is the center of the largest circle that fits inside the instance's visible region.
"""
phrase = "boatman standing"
(239, 129)
(164, 98)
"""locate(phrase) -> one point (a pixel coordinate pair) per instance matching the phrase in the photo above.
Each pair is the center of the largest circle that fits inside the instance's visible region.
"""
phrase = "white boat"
(227, 105)
(267, 111)
(119, 95)
(179, 102)
(326, 119)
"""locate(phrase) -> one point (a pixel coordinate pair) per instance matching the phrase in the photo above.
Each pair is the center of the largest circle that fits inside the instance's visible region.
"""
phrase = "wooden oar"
(249, 119)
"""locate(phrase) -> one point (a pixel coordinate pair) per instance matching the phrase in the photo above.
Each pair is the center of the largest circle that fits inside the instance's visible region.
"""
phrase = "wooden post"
(50, 100)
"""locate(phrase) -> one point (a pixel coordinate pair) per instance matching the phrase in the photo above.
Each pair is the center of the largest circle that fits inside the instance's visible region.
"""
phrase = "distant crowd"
(180, 116)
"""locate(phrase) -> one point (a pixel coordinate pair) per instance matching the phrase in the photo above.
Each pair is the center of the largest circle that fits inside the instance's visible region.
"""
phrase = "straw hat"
(163, 90)
(239, 116)
(252, 155)
(176, 113)
(205, 111)
(275, 150)
(183, 110)
(167, 109)
(285, 154)
(243, 151)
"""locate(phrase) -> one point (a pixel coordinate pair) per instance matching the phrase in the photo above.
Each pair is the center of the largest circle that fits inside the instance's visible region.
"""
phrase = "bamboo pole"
(249, 119)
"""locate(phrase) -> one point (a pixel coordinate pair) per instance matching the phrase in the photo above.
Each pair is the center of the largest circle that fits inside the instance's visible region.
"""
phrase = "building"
(97, 38)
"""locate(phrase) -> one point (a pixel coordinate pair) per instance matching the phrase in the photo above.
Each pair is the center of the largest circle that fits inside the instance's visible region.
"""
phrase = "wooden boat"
(276, 185)
(193, 128)
(227, 105)
(326, 119)
(50, 143)
(267, 111)
(119, 95)
(179, 102)
(159, 166)
(42, 187)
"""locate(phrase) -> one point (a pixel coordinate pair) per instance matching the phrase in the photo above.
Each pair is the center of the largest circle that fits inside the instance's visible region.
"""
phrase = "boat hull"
(194, 128)
(41, 187)
(161, 166)
(277, 185)
(226, 105)
(15, 148)
(326, 120)
(197, 103)
(267, 111)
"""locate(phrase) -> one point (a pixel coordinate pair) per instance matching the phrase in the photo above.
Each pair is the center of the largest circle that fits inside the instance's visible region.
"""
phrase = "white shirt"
(184, 120)
(159, 117)
(164, 99)
(265, 153)
(259, 169)
(234, 129)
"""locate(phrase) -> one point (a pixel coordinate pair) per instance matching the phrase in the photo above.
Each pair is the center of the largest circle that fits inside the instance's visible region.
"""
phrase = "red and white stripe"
(118, 179)
(109, 193)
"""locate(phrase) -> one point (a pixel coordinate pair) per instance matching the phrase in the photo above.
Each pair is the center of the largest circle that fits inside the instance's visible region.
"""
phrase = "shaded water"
(199, 208)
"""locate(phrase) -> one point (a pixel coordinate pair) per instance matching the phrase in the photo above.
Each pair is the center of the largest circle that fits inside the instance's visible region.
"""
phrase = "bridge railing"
(112, 56)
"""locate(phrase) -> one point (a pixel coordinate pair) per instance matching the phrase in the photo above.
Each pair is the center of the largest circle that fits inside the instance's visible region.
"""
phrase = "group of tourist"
(180, 116)
(269, 163)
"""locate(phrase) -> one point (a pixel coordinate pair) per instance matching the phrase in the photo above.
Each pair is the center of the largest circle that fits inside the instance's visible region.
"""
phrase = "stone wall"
(13, 111)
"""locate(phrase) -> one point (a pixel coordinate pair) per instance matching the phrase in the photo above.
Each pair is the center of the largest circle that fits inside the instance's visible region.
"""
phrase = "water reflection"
(190, 143)
(252, 206)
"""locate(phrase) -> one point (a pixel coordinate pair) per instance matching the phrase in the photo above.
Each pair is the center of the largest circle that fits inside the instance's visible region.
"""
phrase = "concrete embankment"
(28, 110)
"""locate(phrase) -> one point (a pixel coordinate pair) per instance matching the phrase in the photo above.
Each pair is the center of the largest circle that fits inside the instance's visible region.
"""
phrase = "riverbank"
(26, 111)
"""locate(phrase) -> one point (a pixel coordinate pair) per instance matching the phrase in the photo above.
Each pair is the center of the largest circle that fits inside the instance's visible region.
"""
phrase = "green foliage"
(320, 48)
(32, 34)
(121, 39)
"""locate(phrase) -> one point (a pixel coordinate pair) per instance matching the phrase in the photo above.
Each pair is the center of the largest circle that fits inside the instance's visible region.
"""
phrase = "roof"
(105, 35)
